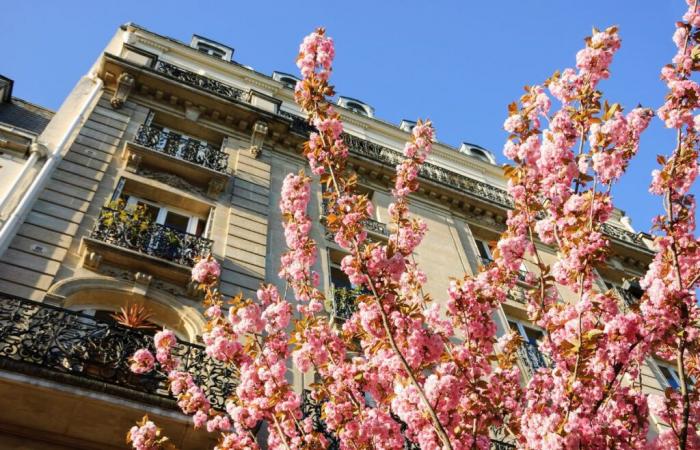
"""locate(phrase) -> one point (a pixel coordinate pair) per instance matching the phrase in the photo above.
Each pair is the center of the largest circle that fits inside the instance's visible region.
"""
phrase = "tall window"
(670, 375)
(529, 334)
(484, 251)
(174, 218)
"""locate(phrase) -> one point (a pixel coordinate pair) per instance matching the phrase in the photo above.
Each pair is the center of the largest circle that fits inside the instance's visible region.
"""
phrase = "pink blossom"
(142, 361)
(206, 268)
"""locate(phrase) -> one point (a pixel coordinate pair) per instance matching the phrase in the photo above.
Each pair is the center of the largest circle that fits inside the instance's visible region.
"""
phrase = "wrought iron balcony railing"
(518, 294)
(344, 302)
(182, 147)
(312, 408)
(371, 225)
(70, 347)
(299, 124)
(532, 358)
(123, 228)
(199, 81)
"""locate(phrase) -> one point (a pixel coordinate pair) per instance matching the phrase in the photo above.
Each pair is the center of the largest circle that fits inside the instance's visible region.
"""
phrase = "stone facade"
(203, 144)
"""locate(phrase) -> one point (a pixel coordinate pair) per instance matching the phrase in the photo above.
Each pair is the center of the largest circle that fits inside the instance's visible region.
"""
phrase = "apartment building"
(167, 151)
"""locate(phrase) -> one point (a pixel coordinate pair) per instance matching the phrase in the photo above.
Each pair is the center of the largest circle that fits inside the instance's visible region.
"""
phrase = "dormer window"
(477, 152)
(286, 79)
(5, 89)
(407, 125)
(356, 106)
(211, 48)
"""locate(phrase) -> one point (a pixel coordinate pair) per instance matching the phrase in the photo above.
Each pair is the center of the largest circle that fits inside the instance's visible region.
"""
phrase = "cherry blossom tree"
(408, 368)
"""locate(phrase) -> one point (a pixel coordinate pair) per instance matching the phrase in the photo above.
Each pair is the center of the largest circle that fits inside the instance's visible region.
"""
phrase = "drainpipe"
(36, 151)
(88, 87)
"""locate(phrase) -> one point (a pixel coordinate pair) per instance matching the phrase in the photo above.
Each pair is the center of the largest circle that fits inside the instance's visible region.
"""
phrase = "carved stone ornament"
(92, 260)
(257, 138)
(216, 185)
(125, 83)
(170, 179)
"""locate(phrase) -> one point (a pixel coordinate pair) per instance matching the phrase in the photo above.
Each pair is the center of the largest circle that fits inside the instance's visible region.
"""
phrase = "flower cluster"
(403, 370)
(670, 305)
(147, 436)
(561, 190)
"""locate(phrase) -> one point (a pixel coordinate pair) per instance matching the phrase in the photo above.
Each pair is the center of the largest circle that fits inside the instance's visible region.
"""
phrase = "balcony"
(199, 81)
(181, 147)
(344, 302)
(532, 358)
(195, 161)
(312, 408)
(518, 294)
(126, 239)
(373, 227)
(73, 348)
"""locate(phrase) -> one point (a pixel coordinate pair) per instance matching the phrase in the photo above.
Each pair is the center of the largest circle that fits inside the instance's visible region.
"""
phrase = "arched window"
(356, 107)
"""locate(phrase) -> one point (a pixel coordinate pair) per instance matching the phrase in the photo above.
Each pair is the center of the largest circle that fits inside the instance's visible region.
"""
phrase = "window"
(529, 351)
(356, 107)
(484, 252)
(407, 125)
(286, 79)
(530, 335)
(170, 217)
(289, 82)
(211, 50)
(670, 375)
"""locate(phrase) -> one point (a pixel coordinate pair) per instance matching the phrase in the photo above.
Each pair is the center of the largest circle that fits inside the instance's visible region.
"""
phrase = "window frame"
(671, 369)
(163, 211)
(521, 330)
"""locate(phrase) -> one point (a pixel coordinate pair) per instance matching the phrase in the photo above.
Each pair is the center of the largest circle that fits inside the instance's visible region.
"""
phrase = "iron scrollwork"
(182, 147)
(532, 357)
(60, 344)
(344, 302)
(120, 227)
(199, 81)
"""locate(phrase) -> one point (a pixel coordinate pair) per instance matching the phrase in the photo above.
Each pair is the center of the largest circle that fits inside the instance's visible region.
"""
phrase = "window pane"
(483, 249)
(176, 221)
(339, 279)
(151, 211)
(533, 335)
(670, 379)
(201, 226)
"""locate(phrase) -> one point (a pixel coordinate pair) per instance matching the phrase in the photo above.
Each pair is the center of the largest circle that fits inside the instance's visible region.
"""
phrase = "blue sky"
(457, 62)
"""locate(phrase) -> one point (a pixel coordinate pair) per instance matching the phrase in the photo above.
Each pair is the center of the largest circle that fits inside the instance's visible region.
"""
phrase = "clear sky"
(457, 62)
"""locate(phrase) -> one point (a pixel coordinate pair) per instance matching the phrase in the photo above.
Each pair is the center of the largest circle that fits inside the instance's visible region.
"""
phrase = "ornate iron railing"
(123, 228)
(182, 147)
(74, 348)
(518, 294)
(199, 81)
(474, 188)
(500, 445)
(299, 124)
(344, 302)
(532, 357)
(370, 225)
(312, 408)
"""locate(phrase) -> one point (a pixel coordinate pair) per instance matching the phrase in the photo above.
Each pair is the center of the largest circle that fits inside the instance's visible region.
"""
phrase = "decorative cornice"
(154, 44)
